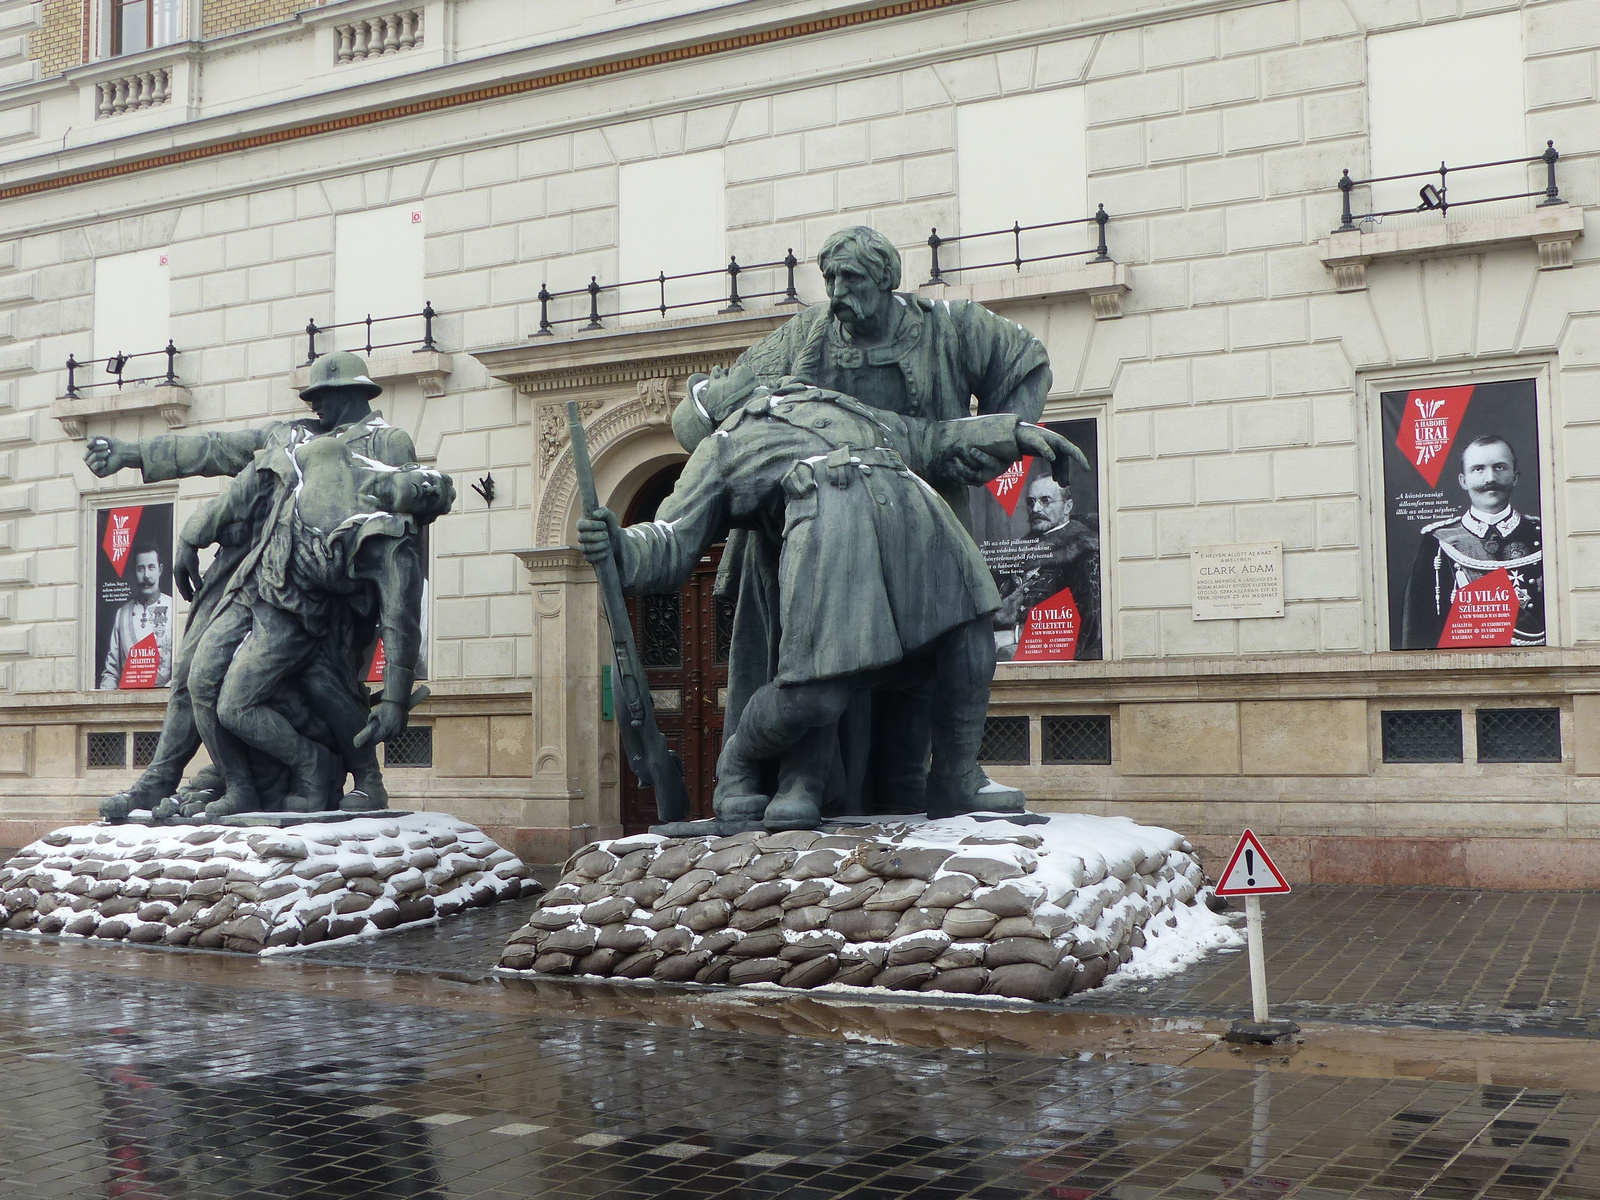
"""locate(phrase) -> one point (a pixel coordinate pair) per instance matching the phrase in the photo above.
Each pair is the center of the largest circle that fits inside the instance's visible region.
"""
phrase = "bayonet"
(653, 761)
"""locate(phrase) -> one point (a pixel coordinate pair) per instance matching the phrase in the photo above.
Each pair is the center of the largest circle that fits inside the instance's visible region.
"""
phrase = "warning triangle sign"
(1250, 872)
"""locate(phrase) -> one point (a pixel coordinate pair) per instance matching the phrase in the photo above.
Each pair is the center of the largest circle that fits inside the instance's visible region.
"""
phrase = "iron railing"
(117, 365)
(1437, 199)
(733, 302)
(1096, 253)
(425, 342)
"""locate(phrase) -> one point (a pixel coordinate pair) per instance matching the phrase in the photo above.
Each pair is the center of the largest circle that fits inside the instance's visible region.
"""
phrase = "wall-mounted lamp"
(485, 488)
(1431, 197)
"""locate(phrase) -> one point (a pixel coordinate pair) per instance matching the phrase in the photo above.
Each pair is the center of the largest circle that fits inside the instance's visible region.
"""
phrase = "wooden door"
(683, 643)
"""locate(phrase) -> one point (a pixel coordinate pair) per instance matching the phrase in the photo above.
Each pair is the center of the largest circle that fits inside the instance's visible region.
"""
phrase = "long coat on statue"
(871, 564)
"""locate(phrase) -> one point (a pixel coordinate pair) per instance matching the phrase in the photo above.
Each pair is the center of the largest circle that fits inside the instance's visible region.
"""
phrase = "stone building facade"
(272, 164)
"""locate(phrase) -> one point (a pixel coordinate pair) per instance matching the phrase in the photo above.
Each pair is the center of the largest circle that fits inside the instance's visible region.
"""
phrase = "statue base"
(716, 827)
(282, 880)
(261, 820)
(961, 905)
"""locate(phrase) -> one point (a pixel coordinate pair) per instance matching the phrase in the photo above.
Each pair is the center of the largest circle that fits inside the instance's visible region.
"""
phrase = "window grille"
(1422, 735)
(108, 751)
(144, 747)
(411, 747)
(660, 630)
(1079, 739)
(1005, 740)
(1519, 735)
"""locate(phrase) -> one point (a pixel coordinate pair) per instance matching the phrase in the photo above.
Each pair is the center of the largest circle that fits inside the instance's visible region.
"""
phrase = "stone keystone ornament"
(318, 555)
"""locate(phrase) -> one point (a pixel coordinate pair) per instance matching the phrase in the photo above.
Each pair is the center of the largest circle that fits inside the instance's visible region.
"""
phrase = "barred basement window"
(108, 750)
(1084, 739)
(411, 747)
(1005, 740)
(1520, 735)
(144, 747)
(1423, 735)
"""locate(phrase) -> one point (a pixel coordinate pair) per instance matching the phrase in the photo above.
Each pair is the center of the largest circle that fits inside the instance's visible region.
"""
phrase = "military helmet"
(340, 369)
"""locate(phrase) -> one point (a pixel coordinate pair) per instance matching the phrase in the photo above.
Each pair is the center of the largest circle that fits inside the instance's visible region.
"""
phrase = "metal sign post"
(1251, 873)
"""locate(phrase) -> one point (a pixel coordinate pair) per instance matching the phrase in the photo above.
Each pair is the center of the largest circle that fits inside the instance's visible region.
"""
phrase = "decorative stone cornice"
(659, 349)
(1104, 283)
(75, 412)
(1551, 228)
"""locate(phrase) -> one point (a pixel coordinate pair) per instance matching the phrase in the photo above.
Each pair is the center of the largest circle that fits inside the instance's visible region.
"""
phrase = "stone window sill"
(1551, 230)
(1105, 283)
(75, 412)
(427, 368)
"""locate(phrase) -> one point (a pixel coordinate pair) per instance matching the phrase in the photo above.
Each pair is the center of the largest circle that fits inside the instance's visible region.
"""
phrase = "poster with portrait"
(1465, 546)
(133, 615)
(1042, 544)
(374, 655)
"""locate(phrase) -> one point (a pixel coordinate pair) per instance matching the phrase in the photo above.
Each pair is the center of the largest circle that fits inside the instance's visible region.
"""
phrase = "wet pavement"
(403, 1067)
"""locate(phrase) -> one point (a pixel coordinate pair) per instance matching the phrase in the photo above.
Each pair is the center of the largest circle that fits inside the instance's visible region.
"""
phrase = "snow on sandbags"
(250, 889)
(954, 905)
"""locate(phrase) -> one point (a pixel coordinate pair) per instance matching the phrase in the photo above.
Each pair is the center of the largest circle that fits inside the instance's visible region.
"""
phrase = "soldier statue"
(874, 571)
(269, 540)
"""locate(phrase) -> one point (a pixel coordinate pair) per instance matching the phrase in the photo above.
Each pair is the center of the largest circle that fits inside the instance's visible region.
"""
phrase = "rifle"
(653, 761)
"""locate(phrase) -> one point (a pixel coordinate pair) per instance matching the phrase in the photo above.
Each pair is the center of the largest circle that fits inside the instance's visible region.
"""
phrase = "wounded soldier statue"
(319, 552)
(876, 575)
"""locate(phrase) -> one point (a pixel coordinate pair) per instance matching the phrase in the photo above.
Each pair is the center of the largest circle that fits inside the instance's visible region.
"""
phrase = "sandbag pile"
(938, 906)
(216, 887)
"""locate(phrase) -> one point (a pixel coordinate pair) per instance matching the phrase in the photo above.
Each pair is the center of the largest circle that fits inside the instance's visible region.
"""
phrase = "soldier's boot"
(738, 797)
(368, 795)
(206, 785)
(145, 793)
(315, 779)
(233, 802)
(802, 781)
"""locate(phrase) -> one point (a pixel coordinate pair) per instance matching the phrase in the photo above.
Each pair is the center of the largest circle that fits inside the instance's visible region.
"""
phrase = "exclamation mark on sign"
(1250, 867)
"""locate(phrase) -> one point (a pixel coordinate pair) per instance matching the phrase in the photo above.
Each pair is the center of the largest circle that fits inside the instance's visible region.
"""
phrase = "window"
(377, 272)
(144, 746)
(1449, 92)
(140, 24)
(1005, 740)
(1519, 735)
(672, 218)
(107, 751)
(411, 747)
(132, 308)
(1069, 740)
(1022, 160)
(1422, 736)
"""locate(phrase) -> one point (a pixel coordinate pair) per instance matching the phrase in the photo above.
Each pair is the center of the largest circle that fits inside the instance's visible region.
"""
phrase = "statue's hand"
(186, 570)
(599, 535)
(108, 455)
(973, 467)
(388, 719)
(1052, 447)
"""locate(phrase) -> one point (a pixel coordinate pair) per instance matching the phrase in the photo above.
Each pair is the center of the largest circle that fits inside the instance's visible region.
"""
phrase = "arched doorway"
(683, 641)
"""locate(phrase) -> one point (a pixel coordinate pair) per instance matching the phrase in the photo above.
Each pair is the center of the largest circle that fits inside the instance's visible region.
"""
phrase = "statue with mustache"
(921, 359)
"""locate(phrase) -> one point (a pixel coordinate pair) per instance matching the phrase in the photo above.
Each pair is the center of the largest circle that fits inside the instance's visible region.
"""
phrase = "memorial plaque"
(1243, 579)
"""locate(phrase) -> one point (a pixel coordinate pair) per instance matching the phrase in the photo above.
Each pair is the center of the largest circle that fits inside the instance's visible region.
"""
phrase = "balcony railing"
(732, 301)
(1096, 253)
(116, 367)
(425, 342)
(1437, 199)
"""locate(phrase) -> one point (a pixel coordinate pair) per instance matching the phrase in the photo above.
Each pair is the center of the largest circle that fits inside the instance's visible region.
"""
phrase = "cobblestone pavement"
(121, 1086)
(133, 1072)
(1439, 957)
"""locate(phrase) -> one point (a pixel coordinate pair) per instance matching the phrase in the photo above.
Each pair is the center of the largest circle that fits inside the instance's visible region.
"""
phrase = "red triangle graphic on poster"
(121, 525)
(379, 661)
(1430, 423)
(1050, 634)
(1006, 487)
(143, 663)
(1250, 872)
(1484, 613)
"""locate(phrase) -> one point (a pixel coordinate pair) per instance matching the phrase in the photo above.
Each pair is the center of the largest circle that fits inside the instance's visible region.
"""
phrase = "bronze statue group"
(833, 459)
(318, 552)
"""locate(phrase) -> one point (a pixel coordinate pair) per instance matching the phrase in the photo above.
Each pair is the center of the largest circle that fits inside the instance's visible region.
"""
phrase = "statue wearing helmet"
(339, 394)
